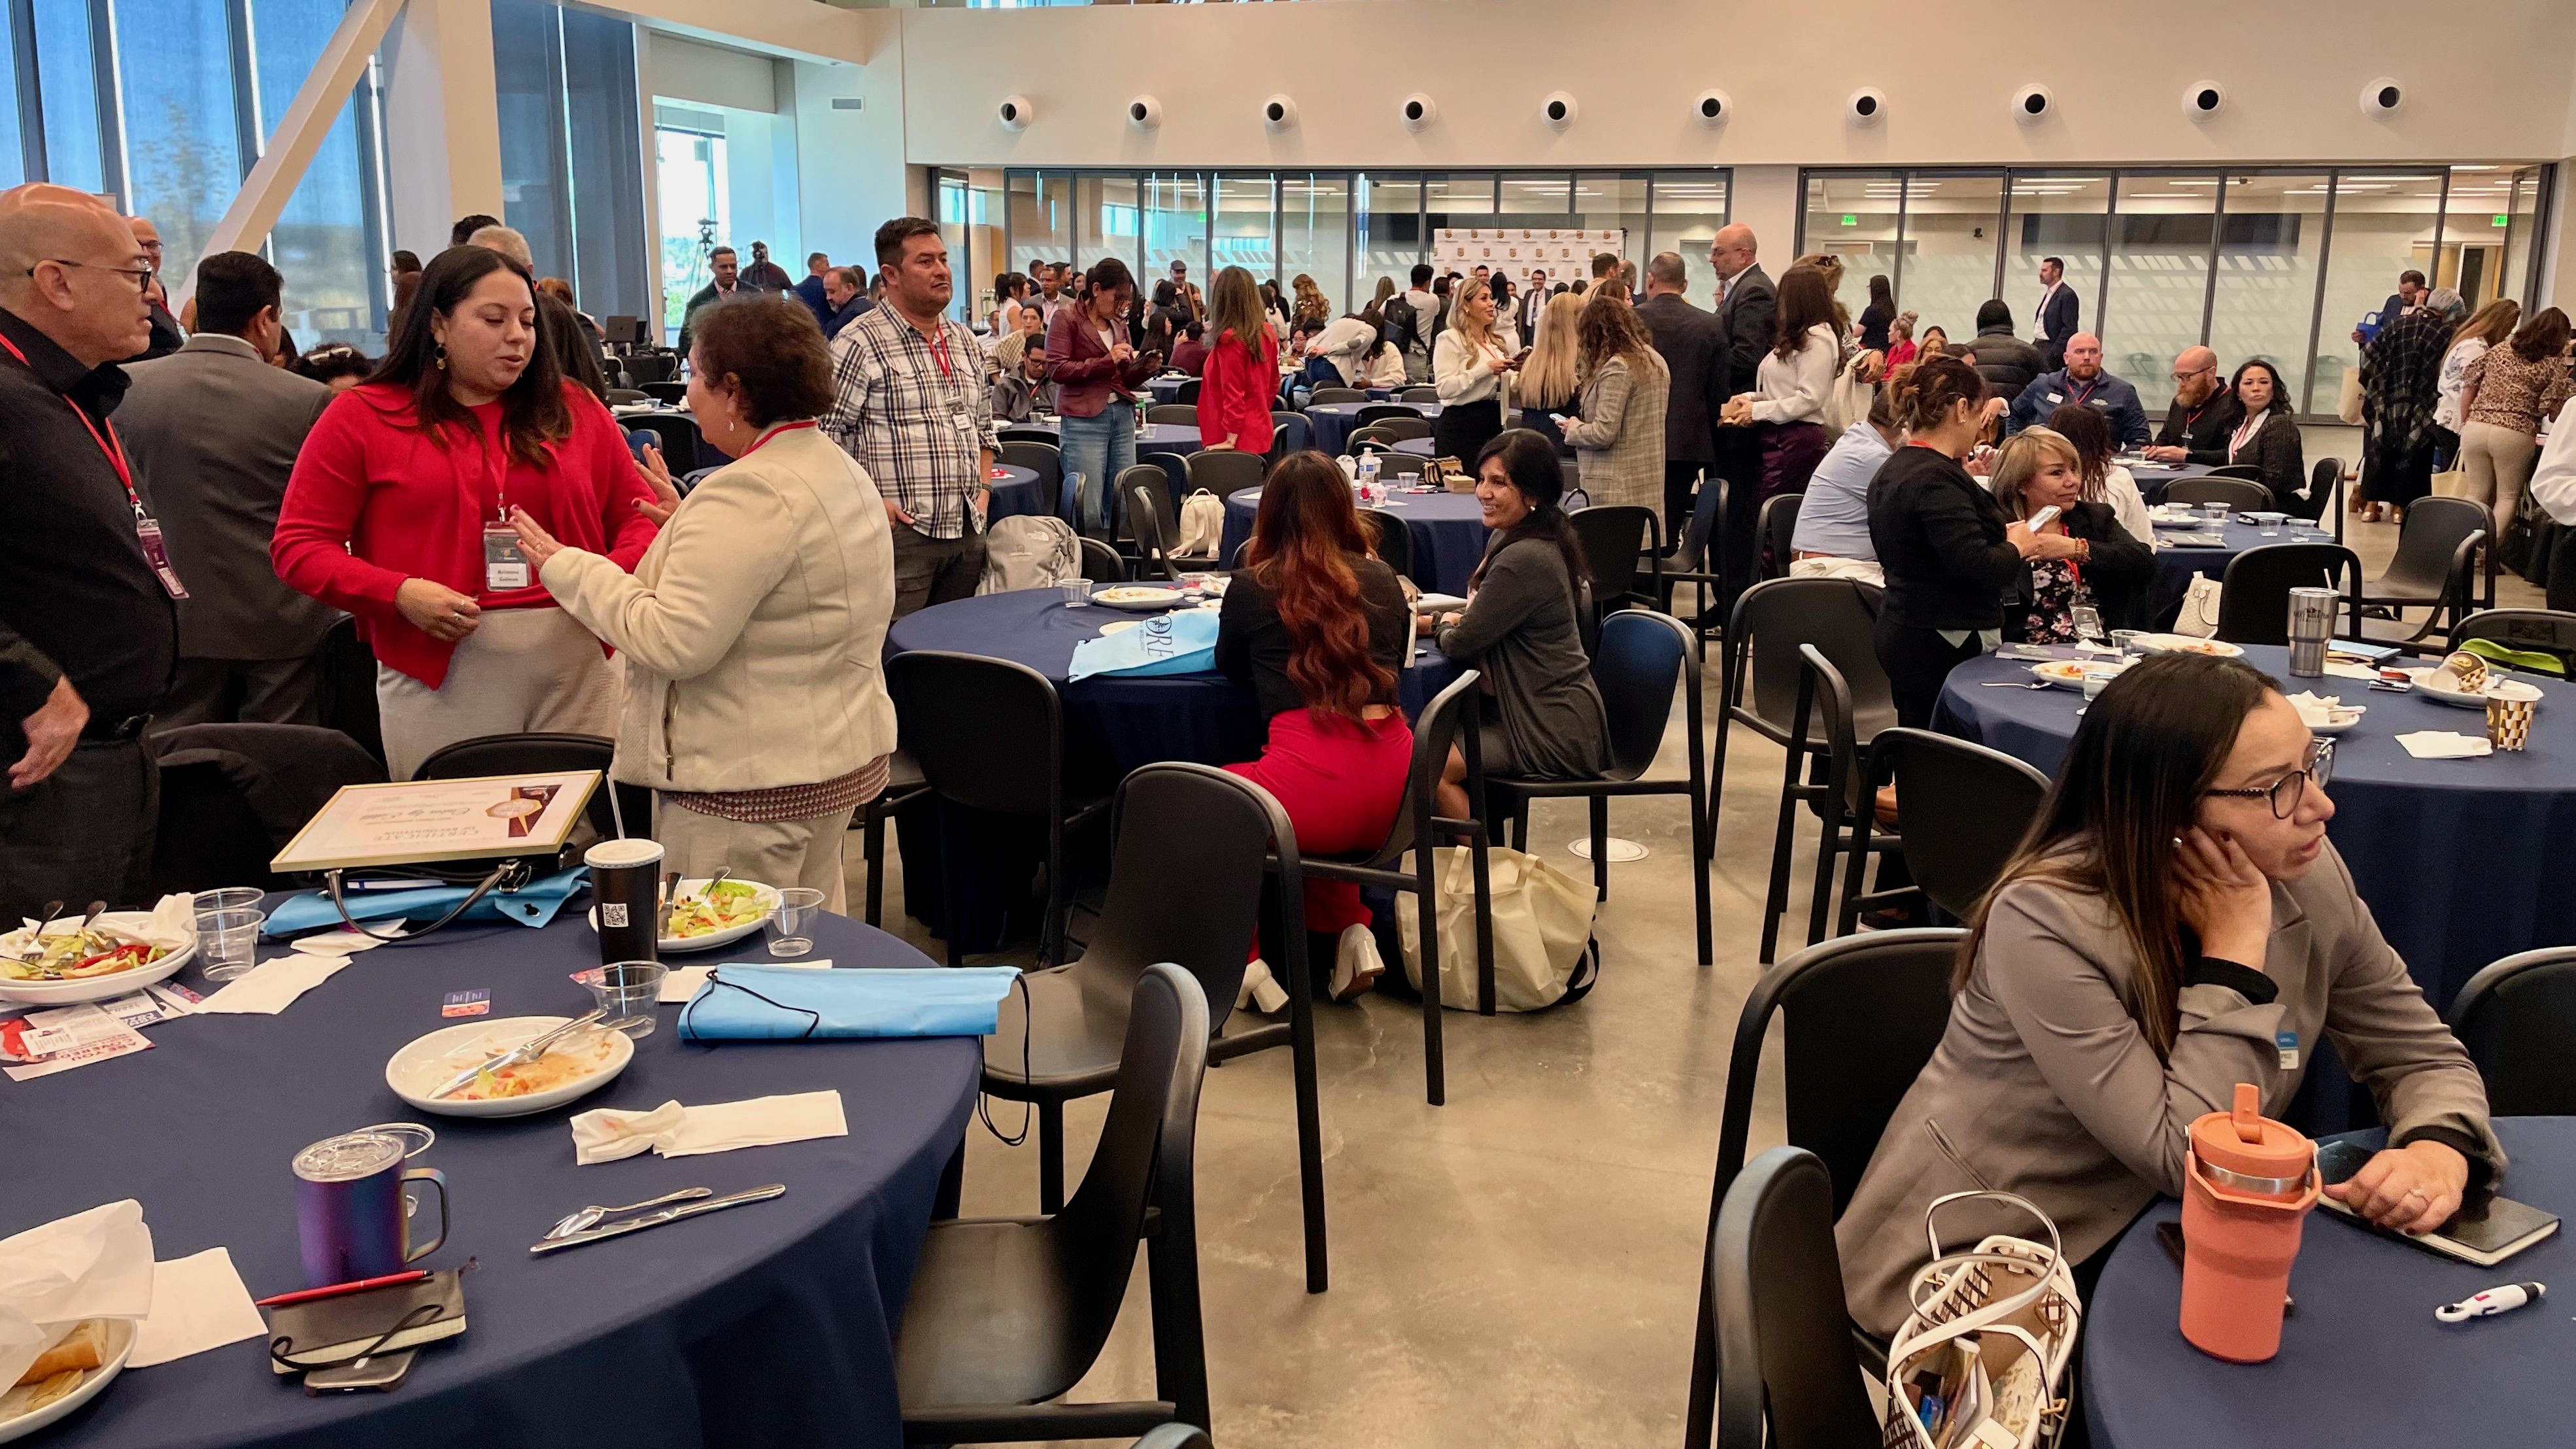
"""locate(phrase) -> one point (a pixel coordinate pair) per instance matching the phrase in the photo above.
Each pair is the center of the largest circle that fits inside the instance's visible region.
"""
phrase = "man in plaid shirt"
(910, 404)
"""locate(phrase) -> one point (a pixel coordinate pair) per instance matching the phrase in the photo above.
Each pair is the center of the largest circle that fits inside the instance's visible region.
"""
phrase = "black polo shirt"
(2202, 432)
(78, 598)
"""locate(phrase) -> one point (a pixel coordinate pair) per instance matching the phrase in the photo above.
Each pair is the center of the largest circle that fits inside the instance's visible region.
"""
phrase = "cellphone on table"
(2482, 1232)
(2043, 518)
(382, 1372)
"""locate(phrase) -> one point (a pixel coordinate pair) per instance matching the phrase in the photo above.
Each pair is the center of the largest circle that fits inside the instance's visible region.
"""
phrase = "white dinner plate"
(2425, 680)
(768, 900)
(424, 1062)
(1131, 596)
(2347, 716)
(120, 1343)
(93, 988)
(2064, 673)
(2187, 644)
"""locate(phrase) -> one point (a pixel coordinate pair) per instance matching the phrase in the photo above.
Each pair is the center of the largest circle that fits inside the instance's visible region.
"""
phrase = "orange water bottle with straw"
(2250, 1182)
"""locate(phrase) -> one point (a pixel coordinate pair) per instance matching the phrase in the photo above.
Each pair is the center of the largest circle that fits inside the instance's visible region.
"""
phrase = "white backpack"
(1202, 526)
(1029, 551)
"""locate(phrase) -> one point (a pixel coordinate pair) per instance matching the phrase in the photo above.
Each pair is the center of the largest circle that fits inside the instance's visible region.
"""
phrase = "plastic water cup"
(2131, 642)
(627, 991)
(227, 898)
(797, 907)
(227, 940)
(1077, 594)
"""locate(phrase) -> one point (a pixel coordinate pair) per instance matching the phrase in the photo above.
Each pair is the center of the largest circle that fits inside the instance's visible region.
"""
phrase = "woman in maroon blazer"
(1096, 372)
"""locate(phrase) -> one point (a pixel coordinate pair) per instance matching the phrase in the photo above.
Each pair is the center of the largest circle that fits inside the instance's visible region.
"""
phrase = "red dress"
(1235, 395)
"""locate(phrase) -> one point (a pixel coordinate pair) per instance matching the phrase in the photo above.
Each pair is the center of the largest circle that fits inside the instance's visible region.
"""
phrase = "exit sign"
(1850, 220)
(2502, 221)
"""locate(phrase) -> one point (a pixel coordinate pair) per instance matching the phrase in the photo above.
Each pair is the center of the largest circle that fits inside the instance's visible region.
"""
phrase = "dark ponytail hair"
(1107, 275)
(1921, 394)
(533, 412)
(1530, 461)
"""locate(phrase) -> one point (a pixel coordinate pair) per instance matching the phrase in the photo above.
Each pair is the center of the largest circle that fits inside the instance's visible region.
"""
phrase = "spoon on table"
(670, 902)
(589, 1217)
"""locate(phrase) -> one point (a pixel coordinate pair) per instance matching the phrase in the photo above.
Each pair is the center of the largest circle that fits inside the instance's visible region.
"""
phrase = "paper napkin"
(2341, 669)
(96, 1264)
(198, 1303)
(272, 986)
(682, 982)
(605, 1134)
(2445, 745)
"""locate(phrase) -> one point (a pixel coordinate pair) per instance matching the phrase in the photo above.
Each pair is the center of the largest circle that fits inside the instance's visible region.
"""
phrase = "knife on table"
(655, 1220)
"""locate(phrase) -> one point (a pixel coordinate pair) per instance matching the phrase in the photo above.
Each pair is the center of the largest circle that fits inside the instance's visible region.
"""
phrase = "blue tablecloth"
(2175, 567)
(1112, 724)
(1016, 492)
(1333, 423)
(1447, 532)
(2363, 1360)
(1166, 389)
(2153, 478)
(1419, 447)
(2462, 861)
(769, 1324)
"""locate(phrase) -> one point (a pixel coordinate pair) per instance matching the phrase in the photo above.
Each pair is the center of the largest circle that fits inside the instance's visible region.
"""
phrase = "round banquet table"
(1419, 447)
(1447, 532)
(2152, 478)
(1333, 423)
(2176, 566)
(771, 1323)
(1112, 724)
(1016, 492)
(1165, 389)
(2362, 1361)
(2462, 861)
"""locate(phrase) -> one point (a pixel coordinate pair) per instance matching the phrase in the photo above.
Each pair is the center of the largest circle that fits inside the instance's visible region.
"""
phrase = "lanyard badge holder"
(147, 530)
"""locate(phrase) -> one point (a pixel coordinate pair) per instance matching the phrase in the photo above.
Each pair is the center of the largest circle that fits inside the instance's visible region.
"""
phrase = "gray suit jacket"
(2045, 1087)
(212, 431)
(1690, 341)
(1744, 320)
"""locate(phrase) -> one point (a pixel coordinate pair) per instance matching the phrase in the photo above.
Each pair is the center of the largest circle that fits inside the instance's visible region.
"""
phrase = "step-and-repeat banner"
(1513, 250)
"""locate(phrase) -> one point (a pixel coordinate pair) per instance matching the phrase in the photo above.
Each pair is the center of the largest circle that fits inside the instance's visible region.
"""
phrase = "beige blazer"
(1619, 440)
(2044, 1086)
(752, 632)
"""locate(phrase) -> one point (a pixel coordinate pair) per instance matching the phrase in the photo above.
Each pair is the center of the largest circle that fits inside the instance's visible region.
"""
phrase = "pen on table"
(335, 1290)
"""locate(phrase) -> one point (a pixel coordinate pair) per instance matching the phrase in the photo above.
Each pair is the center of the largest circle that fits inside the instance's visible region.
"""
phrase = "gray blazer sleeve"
(1604, 411)
(1516, 583)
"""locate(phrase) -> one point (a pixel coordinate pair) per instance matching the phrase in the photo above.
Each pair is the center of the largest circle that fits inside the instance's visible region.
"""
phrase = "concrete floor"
(1519, 1266)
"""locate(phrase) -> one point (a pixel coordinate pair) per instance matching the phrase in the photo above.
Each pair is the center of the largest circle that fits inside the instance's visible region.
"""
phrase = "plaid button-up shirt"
(918, 428)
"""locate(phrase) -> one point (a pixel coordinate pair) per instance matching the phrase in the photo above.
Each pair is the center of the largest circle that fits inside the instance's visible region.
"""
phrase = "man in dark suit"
(1746, 302)
(166, 333)
(212, 431)
(1689, 342)
(728, 284)
(2058, 313)
(1533, 304)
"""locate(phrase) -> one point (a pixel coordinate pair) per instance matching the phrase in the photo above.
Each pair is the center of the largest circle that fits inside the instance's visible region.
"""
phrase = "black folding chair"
(2241, 493)
(2254, 596)
(1416, 833)
(1861, 1016)
(1961, 812)
(2438, 537)
(2517, 1018)
(1788, 1374)
(1839, 799)
(1101, 563)
(1189, 833)
(1619, 541)
(1776, 525)
(1184, 415)
(1006, 1315)
(988, 734)
(1394, 541)
(615, 810)
(1643, 659)
(904, 784)
(2537, 631)
(1691, 564)
(1153, 521)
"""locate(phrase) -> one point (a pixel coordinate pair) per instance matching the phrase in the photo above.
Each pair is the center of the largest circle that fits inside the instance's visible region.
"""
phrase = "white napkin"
(96, 1264)
(2445, 745)
(344, 940)
(272, 986)
(2341, 670)
(2316, 709)
(605, 1134)
(682, 982)
(198, 1303)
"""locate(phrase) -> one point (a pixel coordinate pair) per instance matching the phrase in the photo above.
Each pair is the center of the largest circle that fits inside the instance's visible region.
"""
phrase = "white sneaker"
(1260, 990)
(1356, 964)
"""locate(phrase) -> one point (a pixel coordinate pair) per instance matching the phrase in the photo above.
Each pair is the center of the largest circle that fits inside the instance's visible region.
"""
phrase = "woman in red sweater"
(1242, 368)
(398, 512)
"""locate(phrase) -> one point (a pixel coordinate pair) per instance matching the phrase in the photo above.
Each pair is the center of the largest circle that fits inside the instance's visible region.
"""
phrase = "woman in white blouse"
(1344, 343)
(1471, 371)
(1787, 405)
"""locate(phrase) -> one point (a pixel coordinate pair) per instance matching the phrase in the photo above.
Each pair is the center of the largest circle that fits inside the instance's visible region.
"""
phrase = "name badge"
(2287, 1044)
(147, 532)
(504, 566)
(2056, 397)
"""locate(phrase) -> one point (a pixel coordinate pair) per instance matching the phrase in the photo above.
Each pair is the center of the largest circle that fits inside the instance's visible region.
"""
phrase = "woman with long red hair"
(1319, 627)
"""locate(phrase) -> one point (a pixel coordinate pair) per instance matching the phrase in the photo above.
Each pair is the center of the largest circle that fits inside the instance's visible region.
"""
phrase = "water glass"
(227, 940)
(1077, 593)
(795, 916)
(627, 991)
(2130, 642)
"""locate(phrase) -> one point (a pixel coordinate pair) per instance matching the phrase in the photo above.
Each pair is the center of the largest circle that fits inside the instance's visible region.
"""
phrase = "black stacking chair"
(1417, 832)
(2325, 494)
(669, 394)
(2254, 597)
(2438, 537)
(233, 795)
(1642, 661)
(2240, 492)
(1393, 412)
(1323, 395)
(1776, 525)
(615, 810)
(1187, 392)
(1224, 471)
(626, 397)
(1373, 438)
(1620, 540)
(1044, 459)
(1861, 1015)
(1006, 1315)
(988, 734)
(647, 367)
(1418, 395)
(1404, 424)
(2517, 1018)
(1760, 687)
(1788, 1375)
(1838, 799)
(348, 693)
(1394, 540)
(2539, 631)
(1402, 465)
(904, 784)
(1961, 811)
(1101, 563)
(678, 433)
(1153, 521)
(1289, 433)
(1693, 564)
(1045, 436)
(1184, 415)
(1183, 833)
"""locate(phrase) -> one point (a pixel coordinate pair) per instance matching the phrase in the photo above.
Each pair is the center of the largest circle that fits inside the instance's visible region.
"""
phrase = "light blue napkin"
(1180, 642)
(533, 904)
(773, 1003)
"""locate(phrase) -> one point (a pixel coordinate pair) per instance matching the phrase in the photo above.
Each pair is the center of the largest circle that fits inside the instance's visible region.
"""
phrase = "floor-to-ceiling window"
(182, 144)
(2061, 216)
(571, 153)
(1390, 226)
(2263, 297)
(1315, 237)
(73, 103)
(329, 241)
(1246, 228)
(1685, 209)
(693, 186)
(2385, 221)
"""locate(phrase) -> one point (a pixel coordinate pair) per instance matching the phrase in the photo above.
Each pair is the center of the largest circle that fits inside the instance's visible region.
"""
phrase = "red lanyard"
(109, 444)
(939, 354)
(2192, 417)
(763, 440)
(2089, 389)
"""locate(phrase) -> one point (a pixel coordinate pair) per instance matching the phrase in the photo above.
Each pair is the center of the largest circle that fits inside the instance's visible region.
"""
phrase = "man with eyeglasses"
(89, 629)
(167, 335)
(2204, 412)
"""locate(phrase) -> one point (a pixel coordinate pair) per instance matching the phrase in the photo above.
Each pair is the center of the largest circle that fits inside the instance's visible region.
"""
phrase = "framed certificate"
(418, 821)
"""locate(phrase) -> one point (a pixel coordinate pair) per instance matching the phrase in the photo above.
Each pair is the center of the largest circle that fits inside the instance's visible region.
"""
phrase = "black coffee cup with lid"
(623, 887)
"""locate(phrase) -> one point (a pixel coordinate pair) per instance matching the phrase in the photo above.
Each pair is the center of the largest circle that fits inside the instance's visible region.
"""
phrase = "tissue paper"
(96, 1264)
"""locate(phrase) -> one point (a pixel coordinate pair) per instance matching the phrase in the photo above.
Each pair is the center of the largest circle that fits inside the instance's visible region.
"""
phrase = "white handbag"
(1847, 401)
(1982, 1356)
(1202, 525)
(2199, 616)
(1543, 952)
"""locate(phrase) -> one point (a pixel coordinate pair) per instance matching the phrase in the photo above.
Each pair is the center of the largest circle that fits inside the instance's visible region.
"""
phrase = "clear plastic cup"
(797, 908)
(2131, 642)
(228, 898)
(627, 991)
(227, 942)
(1077, 594)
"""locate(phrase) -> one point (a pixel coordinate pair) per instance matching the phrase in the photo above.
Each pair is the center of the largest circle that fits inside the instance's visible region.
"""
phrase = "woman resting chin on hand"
(2178, 924)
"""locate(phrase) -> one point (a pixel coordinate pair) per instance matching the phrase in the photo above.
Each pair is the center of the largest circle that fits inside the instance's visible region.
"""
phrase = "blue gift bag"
(1180, 642)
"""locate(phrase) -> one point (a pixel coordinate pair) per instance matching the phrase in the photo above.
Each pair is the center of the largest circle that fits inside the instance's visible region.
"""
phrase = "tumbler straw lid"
(2248, 1144)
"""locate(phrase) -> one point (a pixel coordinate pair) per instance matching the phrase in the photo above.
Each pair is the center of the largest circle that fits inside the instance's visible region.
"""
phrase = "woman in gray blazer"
(2177, 923)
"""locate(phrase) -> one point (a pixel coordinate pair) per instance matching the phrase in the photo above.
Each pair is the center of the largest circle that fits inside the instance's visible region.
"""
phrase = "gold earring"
(442, 356)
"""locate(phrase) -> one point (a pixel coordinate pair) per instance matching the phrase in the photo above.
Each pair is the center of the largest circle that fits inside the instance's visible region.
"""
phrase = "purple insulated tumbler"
(352, 1217)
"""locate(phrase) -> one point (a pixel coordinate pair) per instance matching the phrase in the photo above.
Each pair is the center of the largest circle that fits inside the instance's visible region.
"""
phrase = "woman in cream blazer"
(752, 631)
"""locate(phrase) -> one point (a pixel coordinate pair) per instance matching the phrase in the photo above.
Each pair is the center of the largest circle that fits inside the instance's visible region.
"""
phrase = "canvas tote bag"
(1543, 951)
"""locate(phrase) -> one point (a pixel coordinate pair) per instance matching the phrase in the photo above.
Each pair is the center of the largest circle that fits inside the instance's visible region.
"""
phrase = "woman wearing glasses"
(2175, 924)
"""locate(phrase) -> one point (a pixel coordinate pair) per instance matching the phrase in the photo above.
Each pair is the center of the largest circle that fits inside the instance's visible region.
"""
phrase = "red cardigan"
(1235, 396)
(374, 501)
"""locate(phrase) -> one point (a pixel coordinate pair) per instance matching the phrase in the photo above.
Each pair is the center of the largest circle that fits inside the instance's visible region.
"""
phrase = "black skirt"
(1463, 429)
